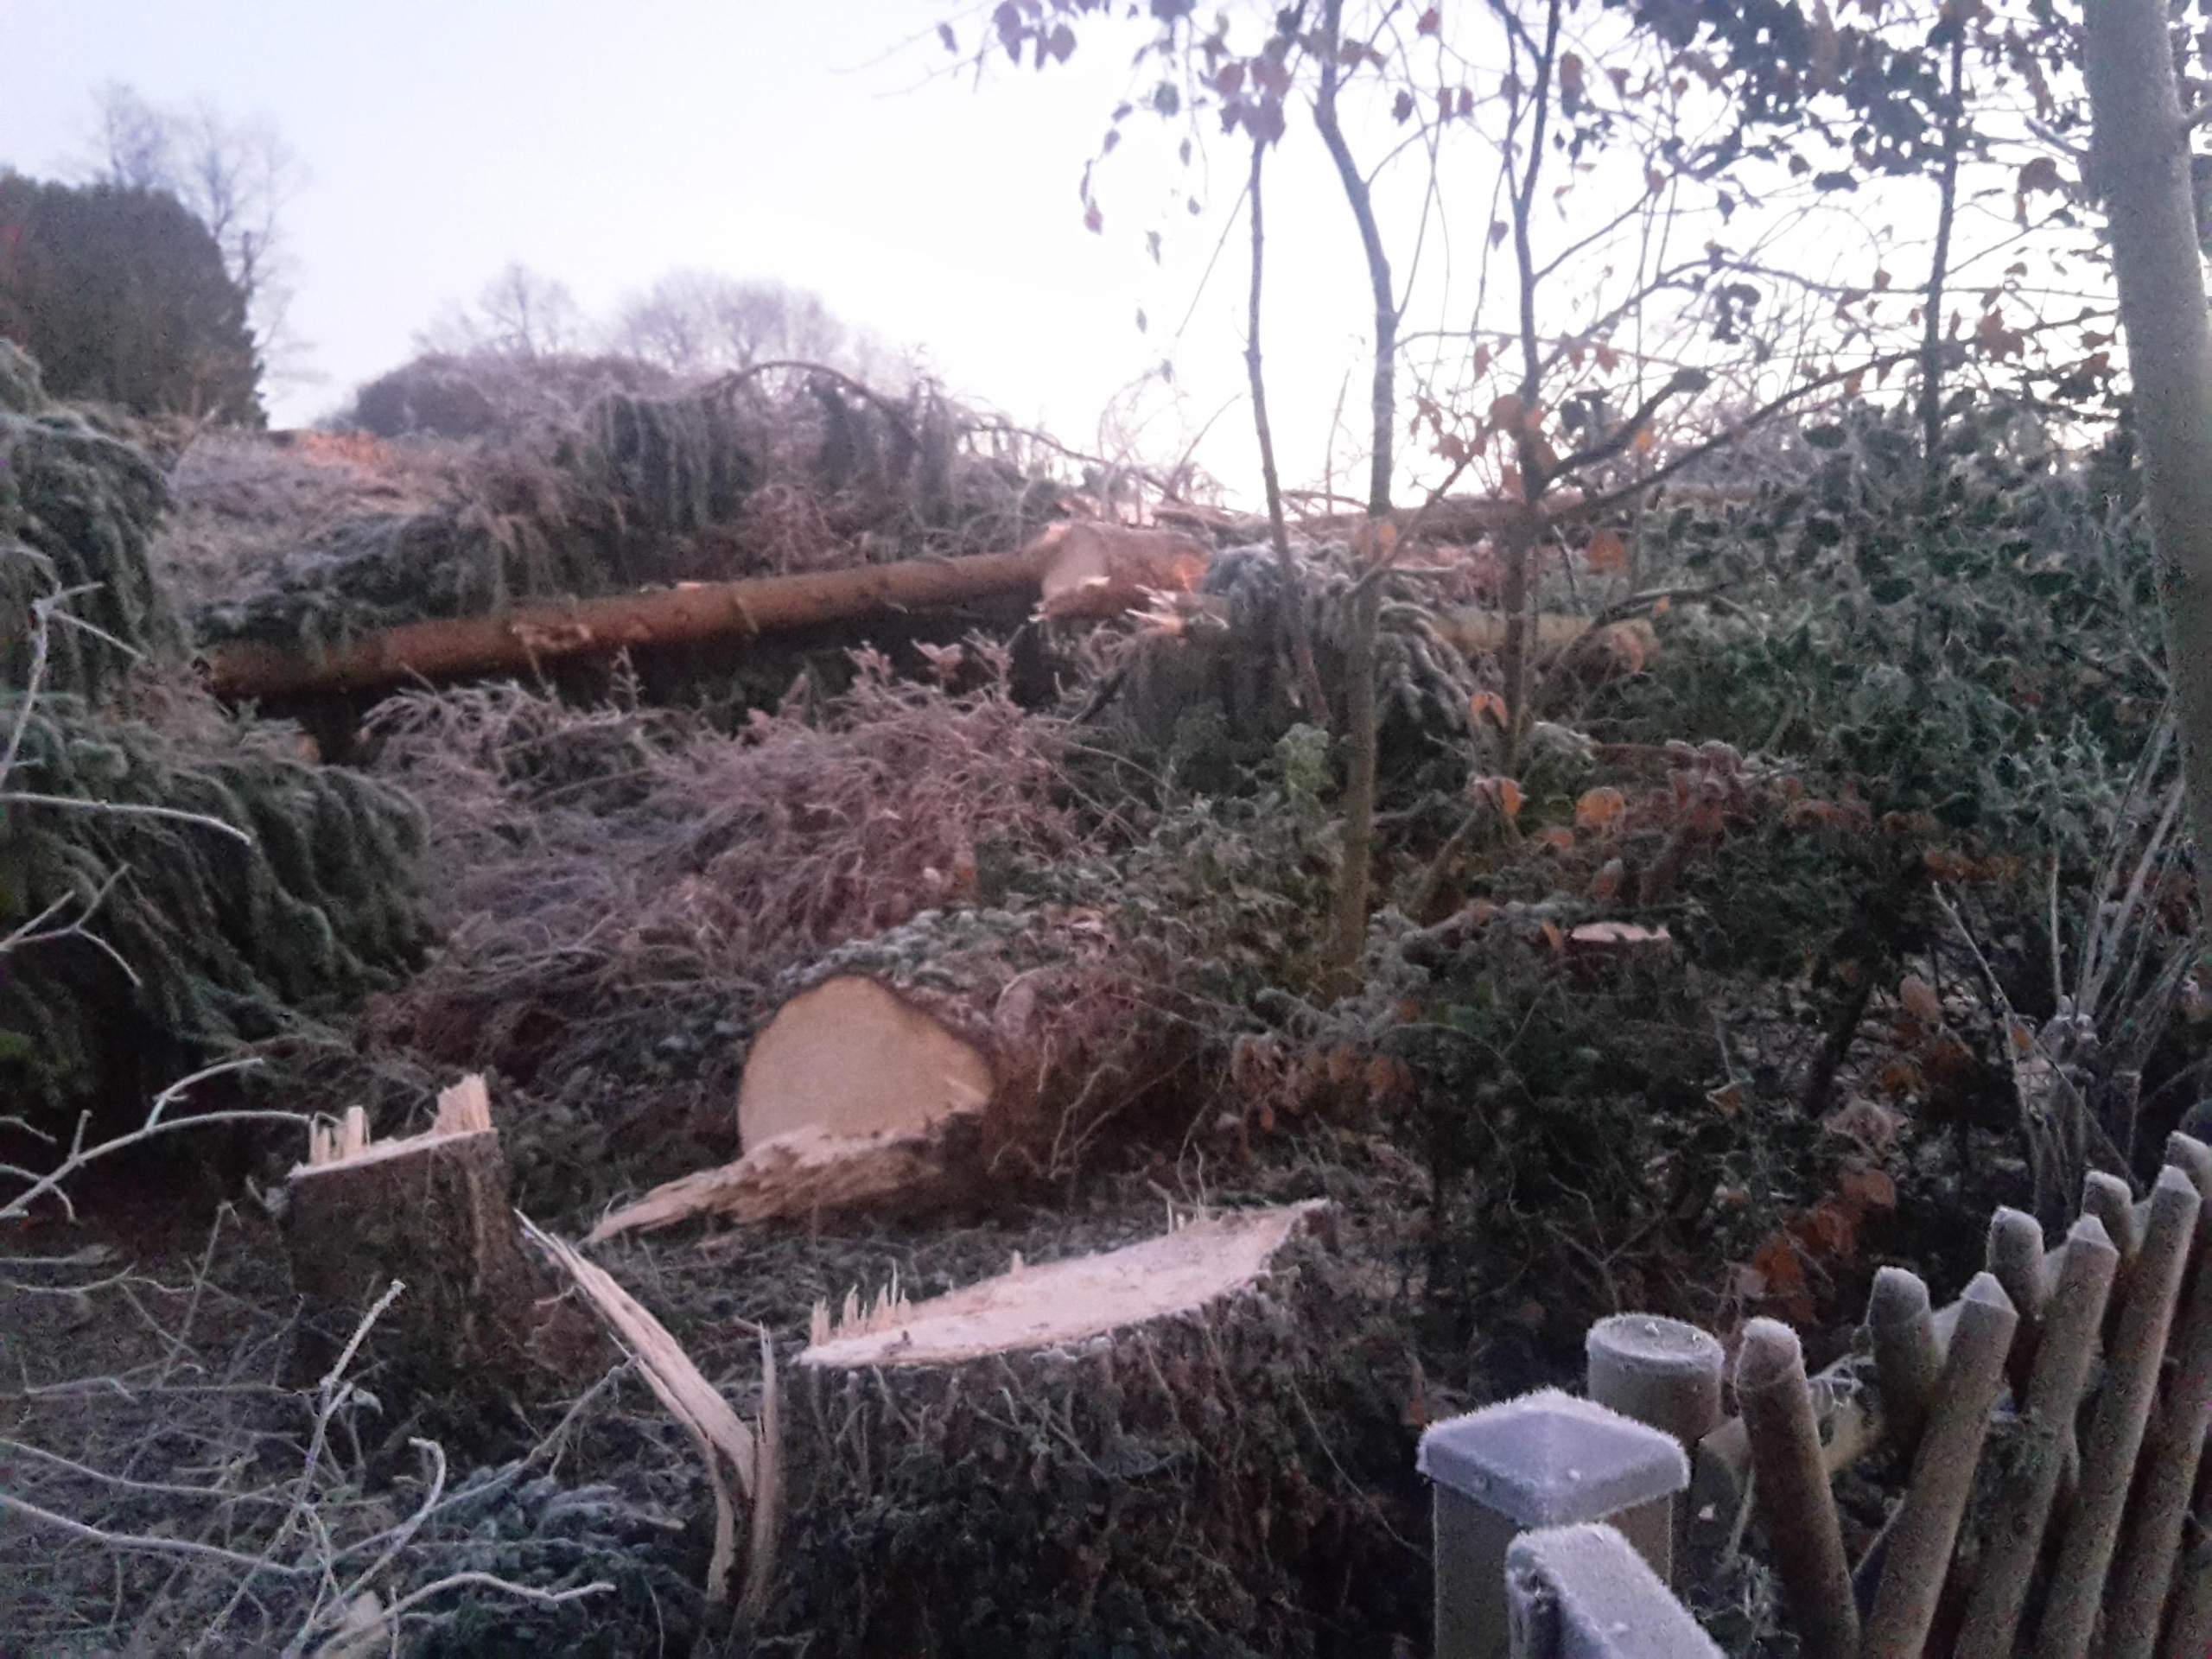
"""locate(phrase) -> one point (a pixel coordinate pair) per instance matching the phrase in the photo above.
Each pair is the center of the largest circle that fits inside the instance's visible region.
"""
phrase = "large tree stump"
(1117, 1453)
(476, 1316)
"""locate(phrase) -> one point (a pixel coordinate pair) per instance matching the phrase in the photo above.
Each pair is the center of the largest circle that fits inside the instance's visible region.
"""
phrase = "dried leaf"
(1920, 1001)
(1600, 808)
(1487, 703)
(1607, 553)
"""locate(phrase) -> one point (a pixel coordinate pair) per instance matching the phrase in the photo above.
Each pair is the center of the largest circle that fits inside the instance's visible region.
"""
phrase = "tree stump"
(1114, 1453)
(477, 1316)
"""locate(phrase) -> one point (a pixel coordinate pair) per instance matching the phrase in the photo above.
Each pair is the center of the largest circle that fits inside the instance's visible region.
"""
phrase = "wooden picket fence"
(2064, 1399)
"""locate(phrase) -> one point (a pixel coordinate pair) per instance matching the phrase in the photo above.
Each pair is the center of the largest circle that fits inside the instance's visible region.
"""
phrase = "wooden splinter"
(1797, 1508)
(1927, 1526)
(2069, 1343)
(2116, 1429)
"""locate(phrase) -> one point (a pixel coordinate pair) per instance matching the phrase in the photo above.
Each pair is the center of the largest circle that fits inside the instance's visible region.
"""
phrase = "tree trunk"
(519, 641)
(2140, 164)
(1350, 930)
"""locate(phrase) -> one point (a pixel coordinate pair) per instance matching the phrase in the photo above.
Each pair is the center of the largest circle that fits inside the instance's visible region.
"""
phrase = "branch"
(1295, 627)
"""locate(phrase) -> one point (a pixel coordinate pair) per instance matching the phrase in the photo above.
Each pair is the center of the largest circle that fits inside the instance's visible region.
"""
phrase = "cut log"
(521, 641)
(476, 1317)
(1026, 1464)
(935, 1065)
(1100, 571)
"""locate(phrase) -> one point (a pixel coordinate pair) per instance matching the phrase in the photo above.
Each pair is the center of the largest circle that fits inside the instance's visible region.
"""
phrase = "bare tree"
(519, 314)
(704, 322)
(236, 176)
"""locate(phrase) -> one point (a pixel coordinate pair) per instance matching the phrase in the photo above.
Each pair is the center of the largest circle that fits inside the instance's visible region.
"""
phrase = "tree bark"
(2140, 163)
(521, 641)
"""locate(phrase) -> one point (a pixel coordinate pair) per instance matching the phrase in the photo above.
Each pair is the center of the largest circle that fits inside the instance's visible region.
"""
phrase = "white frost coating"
(1548, 1459)
(1599, 1599)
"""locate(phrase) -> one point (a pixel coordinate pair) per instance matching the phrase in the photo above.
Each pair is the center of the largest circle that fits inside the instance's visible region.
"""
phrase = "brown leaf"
(1607, 553)
(1600, 808)
(951, 40)
(1487, 703)
(1432, 21)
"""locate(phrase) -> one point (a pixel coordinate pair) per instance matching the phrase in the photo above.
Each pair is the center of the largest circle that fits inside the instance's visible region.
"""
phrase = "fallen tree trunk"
(475, 1315)
(1119, 1443)
(523, 641)
(932, 1066)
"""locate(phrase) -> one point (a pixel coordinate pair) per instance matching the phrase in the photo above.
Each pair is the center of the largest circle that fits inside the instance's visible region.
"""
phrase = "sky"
(828, 146)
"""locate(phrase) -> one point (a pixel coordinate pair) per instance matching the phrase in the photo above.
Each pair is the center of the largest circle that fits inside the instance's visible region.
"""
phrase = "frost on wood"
(432, 1211)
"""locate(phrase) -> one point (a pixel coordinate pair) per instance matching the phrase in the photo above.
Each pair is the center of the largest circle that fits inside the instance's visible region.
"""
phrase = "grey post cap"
(1599, 1598)
(1550, 1459)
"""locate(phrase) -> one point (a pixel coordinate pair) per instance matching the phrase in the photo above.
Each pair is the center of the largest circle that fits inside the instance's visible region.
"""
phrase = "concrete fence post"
(1583, 1592)
(1665, 1374)
(1546, 1459)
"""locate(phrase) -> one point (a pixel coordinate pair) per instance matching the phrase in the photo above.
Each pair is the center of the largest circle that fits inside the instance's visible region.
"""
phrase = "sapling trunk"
(1943, 1474)
(1797, 1508)
(2069, 1343)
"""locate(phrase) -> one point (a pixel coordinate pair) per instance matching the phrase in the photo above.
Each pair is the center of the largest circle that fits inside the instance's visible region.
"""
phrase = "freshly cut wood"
(851, 1056)
(732, 1451)
(432, 1211)
(522, 640)
(808, 1172)
(1066, 1302)
(1022, 1465)
(1100, 571)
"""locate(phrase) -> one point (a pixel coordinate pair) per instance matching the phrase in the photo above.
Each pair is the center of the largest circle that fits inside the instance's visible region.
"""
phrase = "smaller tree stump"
(477, 1316)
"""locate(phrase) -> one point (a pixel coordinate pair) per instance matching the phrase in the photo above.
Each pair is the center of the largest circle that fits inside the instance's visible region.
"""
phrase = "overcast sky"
(825, 145)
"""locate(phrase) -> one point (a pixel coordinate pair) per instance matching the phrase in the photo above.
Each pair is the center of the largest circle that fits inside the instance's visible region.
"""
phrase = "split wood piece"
(1918, 1558)
(2015, 1257)
(1906, 1359)
(2116, 1427)
(433, 1211)
(521, 641)
(2086, 1271)
(808, 1173)
(1796, 1508)
(730, 1449)
(1018, 1463)
(2174, 1447)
